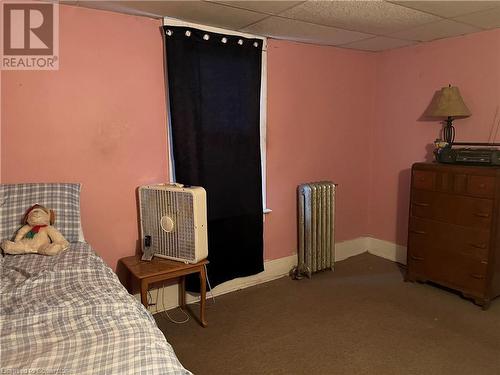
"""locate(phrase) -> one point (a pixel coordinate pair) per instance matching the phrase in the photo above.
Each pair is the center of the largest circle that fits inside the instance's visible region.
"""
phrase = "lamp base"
(449, 131)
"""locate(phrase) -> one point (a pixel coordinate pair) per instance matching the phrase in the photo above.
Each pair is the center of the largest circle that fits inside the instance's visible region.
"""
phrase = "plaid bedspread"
(69, 314)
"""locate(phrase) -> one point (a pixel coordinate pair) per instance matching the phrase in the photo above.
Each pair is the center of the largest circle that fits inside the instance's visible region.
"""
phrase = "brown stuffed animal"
(37, 235)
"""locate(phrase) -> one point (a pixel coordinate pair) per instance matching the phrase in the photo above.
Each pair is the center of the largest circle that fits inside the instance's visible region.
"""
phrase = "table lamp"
(448, 104)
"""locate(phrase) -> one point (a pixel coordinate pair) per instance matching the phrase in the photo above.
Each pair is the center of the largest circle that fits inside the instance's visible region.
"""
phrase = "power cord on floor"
(167, 314)
(162, 308)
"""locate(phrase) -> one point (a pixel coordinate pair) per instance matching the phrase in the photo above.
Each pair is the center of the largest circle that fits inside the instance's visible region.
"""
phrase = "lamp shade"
(448, 102)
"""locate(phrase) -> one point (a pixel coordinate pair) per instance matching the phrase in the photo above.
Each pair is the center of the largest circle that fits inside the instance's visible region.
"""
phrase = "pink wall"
(99, 120)
(319, 106)
(406, 81)
(2, 159)
(104, 112)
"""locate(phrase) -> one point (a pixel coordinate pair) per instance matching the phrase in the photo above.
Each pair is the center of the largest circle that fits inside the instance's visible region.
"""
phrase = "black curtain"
(214, 94)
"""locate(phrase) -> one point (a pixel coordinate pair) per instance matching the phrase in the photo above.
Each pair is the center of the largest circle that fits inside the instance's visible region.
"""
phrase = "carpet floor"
(360, 319)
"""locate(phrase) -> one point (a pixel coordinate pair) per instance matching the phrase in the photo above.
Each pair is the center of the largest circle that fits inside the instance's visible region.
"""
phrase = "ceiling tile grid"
(436, 30)
(369, 25)
(267, 7)
(447, 8)
(284, 28)
(379, 43)
(377, 17)
(488, 19)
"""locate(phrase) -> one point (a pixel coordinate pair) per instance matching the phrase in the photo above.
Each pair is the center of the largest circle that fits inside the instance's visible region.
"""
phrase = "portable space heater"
(173, 222)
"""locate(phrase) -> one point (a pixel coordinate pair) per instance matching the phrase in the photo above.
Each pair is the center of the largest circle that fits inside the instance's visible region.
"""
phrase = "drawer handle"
(482, 214)
(414, 257)
(478, 245)
(477, 276)
(421, 204)
(417, 231)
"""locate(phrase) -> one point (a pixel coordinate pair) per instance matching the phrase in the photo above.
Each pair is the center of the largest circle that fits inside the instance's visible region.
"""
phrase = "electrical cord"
(150, 301)
(162, 307)
(210, 291)
(168, 315)
(208, 282)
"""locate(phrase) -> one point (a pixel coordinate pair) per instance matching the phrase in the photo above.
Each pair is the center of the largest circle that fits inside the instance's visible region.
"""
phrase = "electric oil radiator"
(316, 229)
(173, 220)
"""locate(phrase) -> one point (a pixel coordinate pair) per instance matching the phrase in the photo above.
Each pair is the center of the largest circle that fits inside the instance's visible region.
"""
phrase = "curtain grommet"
(240, 42)
(169, 32)
(188, 33)
(255, 44)
(224, 40)
(206, 37)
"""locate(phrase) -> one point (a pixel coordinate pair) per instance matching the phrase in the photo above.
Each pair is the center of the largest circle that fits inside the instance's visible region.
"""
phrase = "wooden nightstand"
(159, 269)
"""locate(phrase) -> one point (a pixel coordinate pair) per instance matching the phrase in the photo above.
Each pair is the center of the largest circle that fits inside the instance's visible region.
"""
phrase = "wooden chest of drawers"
(453, 233)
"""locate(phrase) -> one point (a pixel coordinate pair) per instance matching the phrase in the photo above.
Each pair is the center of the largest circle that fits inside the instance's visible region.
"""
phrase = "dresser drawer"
(482, 186)
(433, 236)
(453, 209)
(459, 272)
(447, 268)
(425, 180)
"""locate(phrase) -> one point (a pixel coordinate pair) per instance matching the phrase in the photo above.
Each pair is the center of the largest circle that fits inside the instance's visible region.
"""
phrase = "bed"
(69, 314)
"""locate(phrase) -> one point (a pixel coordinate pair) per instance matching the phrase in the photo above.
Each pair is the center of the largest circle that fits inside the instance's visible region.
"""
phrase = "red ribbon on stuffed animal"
(34, 231)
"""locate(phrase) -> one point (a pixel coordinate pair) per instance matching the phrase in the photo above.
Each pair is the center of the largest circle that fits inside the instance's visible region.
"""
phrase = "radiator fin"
(316, 232)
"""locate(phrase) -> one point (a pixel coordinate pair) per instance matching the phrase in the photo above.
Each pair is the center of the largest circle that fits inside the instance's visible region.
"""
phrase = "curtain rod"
(168, 21)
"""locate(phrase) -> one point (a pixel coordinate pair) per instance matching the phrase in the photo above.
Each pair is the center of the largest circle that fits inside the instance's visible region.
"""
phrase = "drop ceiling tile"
(449, 9)
(488, 19)
(375, 17)
(378, 43)
(267, 6)
(284, 28)
(212, 14)
(435, 30)
(115, 6)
